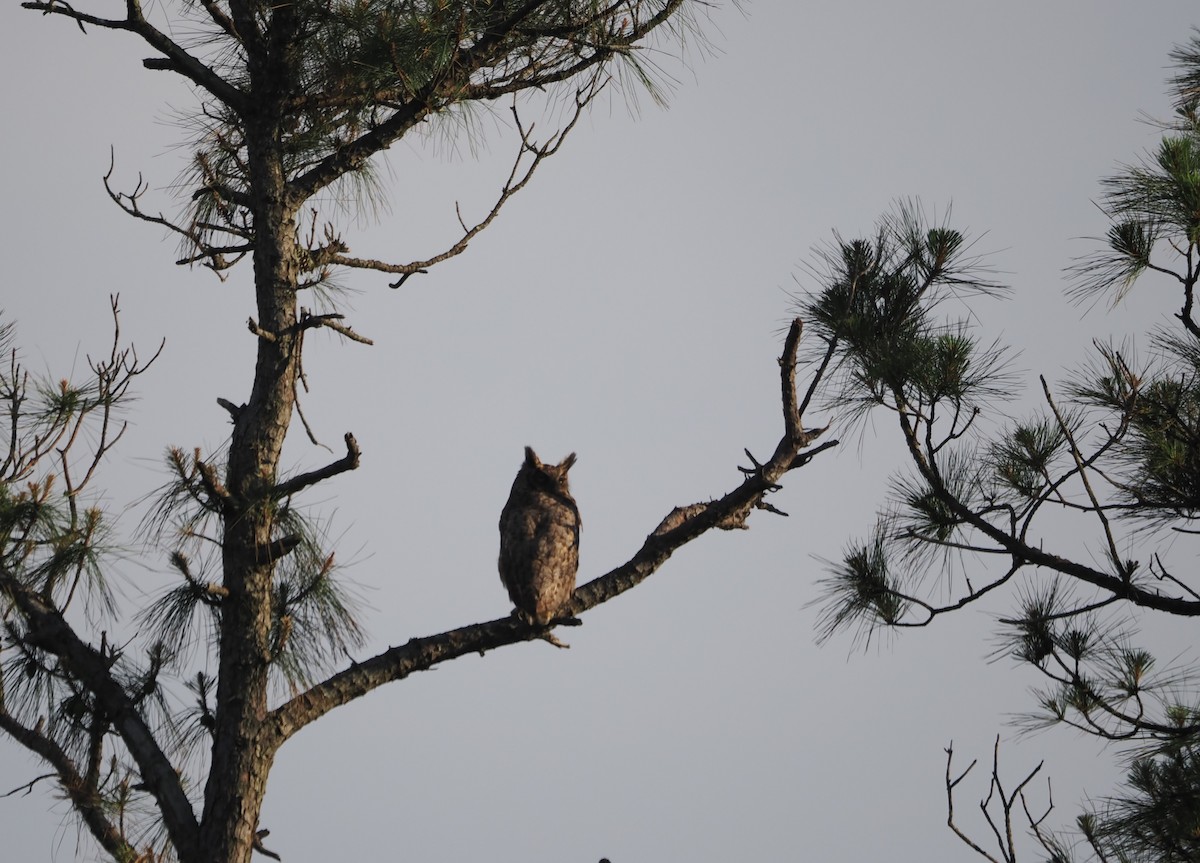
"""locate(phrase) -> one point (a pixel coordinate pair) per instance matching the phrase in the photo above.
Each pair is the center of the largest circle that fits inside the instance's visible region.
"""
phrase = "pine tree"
(1113, 457)
(297, 100)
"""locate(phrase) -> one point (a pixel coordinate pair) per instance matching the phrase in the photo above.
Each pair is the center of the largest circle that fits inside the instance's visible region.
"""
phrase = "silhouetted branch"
(678, 528)
(180, 60)
(25, 789)
(259, 836)
(1002, 832)
(519, 176)
(130, 203)
(310, 321)
(465, 77)
(348, 462)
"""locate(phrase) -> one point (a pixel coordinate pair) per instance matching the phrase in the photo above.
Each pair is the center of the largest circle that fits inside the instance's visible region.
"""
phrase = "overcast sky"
(628, 306)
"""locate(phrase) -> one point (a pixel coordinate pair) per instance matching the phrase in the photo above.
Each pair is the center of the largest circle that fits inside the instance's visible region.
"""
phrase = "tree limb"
(456, 84)
(49, 631)
(310, 321)
(512, 185)
(1003, 834)
(129, 202)
(680, 527)
(348, 462)
(180, 60)
(91, 809)
(1022, 550)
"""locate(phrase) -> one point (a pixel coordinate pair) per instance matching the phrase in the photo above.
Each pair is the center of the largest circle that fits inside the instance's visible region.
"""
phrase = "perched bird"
(539, 539)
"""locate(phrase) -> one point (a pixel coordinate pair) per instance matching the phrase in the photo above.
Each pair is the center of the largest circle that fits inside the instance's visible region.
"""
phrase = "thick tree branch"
(1115, 585)
(90, 807)
(354, 155)
(49, 631)
(135, 22)
(456, 84)
(678, 528)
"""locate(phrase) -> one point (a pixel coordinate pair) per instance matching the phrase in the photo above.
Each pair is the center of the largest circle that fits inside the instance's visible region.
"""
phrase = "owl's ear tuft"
(567, 463)
(531, 458)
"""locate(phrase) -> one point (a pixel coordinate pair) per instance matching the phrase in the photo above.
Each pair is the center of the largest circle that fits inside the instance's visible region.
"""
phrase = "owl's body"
(539, 539)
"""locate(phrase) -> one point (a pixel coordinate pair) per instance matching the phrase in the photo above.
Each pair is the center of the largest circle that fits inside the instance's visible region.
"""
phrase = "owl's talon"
(549, 636)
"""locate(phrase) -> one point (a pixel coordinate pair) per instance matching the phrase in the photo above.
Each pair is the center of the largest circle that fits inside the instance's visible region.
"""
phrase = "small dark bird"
(539, 539)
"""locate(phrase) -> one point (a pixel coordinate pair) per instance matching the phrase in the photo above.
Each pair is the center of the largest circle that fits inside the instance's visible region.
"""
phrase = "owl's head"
(547, 477)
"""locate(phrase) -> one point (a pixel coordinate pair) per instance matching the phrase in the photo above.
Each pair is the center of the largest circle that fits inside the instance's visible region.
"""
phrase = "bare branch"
(259, 331)
(27, 788)
(114, 377)
(259, 836)
(233, 410)
(519, 176)
(180, 60)
(1003, 833)
(308, 429)
(793, 428)
(348, 462)
(951, 784)
(1164, 575)
(330, 321)
(215, 256)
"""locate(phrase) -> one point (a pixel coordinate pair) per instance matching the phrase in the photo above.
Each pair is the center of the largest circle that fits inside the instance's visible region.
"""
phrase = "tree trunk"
(242, 755)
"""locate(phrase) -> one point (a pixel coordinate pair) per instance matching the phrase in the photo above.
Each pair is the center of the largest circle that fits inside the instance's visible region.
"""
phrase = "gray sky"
(628, 306)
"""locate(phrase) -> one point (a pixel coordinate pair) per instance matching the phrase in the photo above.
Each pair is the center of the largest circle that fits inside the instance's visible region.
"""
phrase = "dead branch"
(310, 321)
(278, 548)
(181, 61)
(234, 411)
(519, 176)
(259, 836)
(27, 788)
(308, 429)
(349, 461)
(216, 257)
(1002, 832)
(259, 331)
(951, 784)
(113, 379)
(79, 413)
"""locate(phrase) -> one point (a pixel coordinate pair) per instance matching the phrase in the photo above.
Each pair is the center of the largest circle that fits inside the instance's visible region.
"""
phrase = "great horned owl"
(539, 539)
